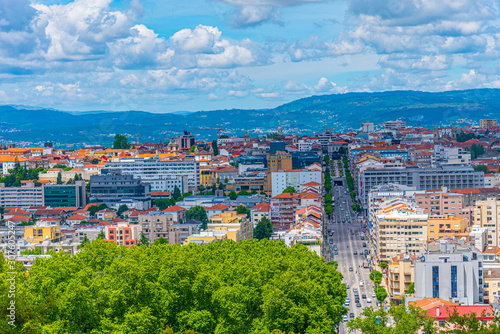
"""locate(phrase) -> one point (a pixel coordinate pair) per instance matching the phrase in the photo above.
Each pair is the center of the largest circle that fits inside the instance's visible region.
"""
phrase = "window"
(454, 281)
(435, 281)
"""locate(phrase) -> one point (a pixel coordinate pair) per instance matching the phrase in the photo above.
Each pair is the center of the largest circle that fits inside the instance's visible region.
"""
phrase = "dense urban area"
(388, 229)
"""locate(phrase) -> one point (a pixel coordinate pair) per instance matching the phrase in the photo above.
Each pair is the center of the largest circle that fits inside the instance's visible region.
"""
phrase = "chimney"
(438, 311)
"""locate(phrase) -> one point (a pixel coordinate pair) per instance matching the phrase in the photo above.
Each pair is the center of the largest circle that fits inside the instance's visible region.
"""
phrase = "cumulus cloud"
(247, 13)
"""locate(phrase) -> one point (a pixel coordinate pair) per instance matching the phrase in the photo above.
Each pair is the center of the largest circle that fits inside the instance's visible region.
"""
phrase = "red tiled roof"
(18, 219)
(17, 212)
(77, 217)
(462, 310)
(175, 208)
(217, 207)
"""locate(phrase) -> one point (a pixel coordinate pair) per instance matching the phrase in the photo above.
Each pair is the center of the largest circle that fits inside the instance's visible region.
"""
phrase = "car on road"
(364, 244)
(355, 252)
(346, 318)
(361, 283)
(368, 300)
(358, 304)
(347, 286)
(374, 295)
(334, 247)
(366, 251)
(336, 252)
(347, 300)
(351, 315)
(331, 241)
(362, 237)
(350, 268)
(363, 296)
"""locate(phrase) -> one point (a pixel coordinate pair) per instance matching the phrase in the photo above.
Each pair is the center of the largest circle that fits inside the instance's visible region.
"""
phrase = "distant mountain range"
(307, 115)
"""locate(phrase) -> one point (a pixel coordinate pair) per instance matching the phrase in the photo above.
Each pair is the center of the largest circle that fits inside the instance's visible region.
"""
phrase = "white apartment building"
(399, 226)
(169, 184)
(155, 168)
(293, 178)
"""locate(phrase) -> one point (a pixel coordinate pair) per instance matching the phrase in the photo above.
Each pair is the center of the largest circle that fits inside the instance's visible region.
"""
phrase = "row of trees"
(222, 287)
(402, 320)
(328, 187)
(348, 176)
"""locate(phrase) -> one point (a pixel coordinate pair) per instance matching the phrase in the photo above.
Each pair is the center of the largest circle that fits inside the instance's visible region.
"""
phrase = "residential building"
(367, 127)
(491, 285)
(248, 182)
(178, 213)
(304, 159)
(487, 123)
(185, 141)
(238, 227)
(157, 225)
(124, 234)
(439, 203)
(395, 125)
(447, 226)
(24, 196)
(278, 161)
(450, 270)
(452, 177)
(112, 187)
(283, 179)
(169, 184)
(216, 209)
(106, 214)
(185, 230)
(206, 237)
(486, 214)
(65, 195)
(43, 231)
(260, 211)
(283, 208)
(156, 168)
(399, 226)
(401, 273)
(445, 155)
(472, 195)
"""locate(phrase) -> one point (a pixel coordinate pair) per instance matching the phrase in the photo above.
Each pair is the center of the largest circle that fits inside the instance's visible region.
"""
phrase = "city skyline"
(166, 57)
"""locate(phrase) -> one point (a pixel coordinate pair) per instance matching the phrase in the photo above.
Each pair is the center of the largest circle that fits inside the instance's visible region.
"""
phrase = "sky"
(168, 56)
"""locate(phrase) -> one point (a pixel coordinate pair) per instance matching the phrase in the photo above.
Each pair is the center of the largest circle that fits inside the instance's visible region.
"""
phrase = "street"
(346, 237)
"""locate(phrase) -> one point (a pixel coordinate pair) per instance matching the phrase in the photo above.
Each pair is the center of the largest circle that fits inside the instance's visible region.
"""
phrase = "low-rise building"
(124, 234)
(238, 227)
(43, 231)
(401, 273)
(206, 237)
(156, 225)
(491, 285)
(447, 226)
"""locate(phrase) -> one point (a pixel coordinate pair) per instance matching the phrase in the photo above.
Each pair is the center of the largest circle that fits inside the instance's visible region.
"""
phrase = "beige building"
(206, 237)
(447, 226)
(491, 286)
(401, 273)
(238, 227)
(487, 122)
(485, 214)
(158, 225)
(399, 226)
(442, 203)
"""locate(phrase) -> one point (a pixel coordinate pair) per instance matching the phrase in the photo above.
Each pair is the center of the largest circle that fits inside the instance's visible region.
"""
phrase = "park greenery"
(221, 287)
(163, 203)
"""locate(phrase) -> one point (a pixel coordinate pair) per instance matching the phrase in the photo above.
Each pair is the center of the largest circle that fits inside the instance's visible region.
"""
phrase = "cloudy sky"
(165, 55)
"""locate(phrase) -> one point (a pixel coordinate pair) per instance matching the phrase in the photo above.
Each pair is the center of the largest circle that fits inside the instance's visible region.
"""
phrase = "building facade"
(156, 225)
(65, 195)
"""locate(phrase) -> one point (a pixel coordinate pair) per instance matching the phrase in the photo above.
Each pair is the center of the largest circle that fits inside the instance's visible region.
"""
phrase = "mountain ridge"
(305, 115)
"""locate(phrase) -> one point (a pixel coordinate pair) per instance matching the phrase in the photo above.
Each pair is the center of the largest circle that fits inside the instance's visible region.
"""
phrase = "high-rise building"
(65, 195)
(185, 141)
(487, 122)
(450, 270)
(394, 125)
(283, 179)
(24, 196)
(113, 188)
(278, 161)
(156, 225)
(486, 214)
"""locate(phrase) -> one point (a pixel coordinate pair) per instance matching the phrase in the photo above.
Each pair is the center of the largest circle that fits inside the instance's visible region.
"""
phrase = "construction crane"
(219, 129)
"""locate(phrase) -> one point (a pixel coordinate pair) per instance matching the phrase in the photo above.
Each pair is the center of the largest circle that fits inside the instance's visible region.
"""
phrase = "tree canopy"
(221, 287)
(289, 189)
(198, 213)
(242, 210)
(121, 142)
(264, 229)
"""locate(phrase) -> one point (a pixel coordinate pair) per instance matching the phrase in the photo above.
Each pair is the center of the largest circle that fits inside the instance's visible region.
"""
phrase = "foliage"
(243, 193)
(326, 159)
(470, 323)
(160, 241)
(198, 213)
(376, 277)
(264, 229)
(463, 137)
(232, 195)
(380, 293)
(342, 150)
(481, 168)
(383, 265)
(289, 189)
(85, 241)
(405, 321)
(224, 136)
(94, 208)
(18, 174)
(143, 240)
(222, 287)
(215, 148)
(242, 210)
(177, 193)
(122, 209)
(95, 161)
(36, 251)
(121, 142)
(27, 223)
(192, 148)
(101, 235)
(476, 151)
(356, 208)
(59, 178)
(411, 288)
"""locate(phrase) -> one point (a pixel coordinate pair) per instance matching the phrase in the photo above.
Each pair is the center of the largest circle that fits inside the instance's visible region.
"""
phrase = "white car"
(346, 318)
(368, 300)
(361, 283)
(374, 295)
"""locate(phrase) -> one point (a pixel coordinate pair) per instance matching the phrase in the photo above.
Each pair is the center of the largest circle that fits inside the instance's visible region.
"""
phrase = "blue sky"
(165, 56)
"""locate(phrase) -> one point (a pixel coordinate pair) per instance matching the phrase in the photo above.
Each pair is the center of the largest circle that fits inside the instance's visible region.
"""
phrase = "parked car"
(350, 268)
(368, 300)
(355, 252)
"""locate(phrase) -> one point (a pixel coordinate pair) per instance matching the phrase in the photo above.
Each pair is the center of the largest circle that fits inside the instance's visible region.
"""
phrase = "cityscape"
(249, 167)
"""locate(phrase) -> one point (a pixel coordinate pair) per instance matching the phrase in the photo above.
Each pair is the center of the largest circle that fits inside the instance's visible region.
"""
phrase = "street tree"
(264, 229)
(143, 240)
(121, 142)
